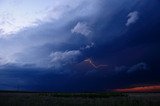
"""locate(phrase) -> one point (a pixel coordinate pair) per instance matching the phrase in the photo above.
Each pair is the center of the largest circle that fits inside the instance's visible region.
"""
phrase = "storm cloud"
(46, 45)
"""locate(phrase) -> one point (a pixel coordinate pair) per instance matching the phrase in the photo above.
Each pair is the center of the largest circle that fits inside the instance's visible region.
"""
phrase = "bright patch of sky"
(17, 14)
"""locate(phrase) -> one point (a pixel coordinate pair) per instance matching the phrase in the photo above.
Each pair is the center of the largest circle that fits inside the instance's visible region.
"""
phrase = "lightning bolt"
(95, 66)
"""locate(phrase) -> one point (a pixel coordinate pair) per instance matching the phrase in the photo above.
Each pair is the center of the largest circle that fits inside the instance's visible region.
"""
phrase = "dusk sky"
(79, 45)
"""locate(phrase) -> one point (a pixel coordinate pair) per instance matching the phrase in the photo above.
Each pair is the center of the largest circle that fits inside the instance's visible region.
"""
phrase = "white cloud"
(89, 46)
(59, 59)
(132, 18)
(81, 28)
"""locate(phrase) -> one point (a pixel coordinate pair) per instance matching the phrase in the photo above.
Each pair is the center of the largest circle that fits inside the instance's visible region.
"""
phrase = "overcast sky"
(75, 45)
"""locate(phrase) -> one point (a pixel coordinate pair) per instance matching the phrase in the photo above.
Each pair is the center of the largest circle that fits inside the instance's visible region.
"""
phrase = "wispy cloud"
(82, 28)
(138, 67)
(134, 68)
(132, 18)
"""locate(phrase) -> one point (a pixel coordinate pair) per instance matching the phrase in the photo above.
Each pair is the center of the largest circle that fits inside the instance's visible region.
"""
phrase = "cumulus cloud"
(60, 59)
(132, 18)
(82, 28)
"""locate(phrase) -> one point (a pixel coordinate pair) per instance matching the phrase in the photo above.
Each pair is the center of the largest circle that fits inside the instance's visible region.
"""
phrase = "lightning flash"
(95, 66)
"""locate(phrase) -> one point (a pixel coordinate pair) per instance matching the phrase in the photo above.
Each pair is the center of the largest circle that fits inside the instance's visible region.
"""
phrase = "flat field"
(79, 99)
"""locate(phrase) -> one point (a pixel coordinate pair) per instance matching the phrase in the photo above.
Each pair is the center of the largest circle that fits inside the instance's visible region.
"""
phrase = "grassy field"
(79, 99)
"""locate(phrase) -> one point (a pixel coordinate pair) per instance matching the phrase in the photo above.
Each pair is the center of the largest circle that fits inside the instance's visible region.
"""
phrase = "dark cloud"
(140, 67)
(50, 56)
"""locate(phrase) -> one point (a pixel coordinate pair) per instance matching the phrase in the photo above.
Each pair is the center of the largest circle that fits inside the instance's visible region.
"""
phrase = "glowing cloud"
(153, 88)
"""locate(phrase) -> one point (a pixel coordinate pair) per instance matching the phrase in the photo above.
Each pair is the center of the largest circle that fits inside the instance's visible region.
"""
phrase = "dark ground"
(79, 99)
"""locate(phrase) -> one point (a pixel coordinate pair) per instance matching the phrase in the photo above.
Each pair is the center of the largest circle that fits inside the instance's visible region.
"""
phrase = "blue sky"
(75, 45)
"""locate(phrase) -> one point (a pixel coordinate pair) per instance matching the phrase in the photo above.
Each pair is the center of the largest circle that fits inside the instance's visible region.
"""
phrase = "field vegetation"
(79, 99)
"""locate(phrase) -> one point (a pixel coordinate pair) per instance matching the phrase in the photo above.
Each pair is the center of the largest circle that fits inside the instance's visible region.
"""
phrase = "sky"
(79, 45)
